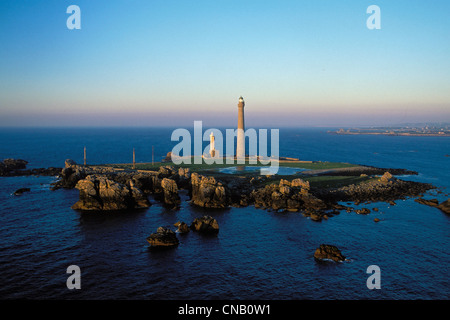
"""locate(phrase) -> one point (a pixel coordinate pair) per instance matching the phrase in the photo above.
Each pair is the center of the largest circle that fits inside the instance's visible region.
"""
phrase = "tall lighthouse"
(240, 148)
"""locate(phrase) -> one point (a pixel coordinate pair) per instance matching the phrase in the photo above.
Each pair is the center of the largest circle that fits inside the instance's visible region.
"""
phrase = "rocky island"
(315, 191)
(17, 167)
(328, 252)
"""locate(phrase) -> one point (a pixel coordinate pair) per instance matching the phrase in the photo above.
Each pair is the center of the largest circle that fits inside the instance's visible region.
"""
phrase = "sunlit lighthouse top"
(241, 102)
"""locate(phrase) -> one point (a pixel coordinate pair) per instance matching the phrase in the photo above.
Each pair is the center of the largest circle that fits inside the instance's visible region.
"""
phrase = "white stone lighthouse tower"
(212, 145)
(240, 148)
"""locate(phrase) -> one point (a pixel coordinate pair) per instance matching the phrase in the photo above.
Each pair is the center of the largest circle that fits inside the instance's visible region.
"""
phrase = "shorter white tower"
(212, 147)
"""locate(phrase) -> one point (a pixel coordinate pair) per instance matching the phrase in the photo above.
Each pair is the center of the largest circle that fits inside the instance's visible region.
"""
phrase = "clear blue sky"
(297, 63)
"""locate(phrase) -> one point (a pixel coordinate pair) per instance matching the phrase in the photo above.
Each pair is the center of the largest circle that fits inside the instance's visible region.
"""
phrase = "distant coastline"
(422, 131)
(393, 134)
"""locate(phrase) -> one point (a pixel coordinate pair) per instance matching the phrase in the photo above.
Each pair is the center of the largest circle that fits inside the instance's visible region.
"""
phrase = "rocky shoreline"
(101, 187)
(111, 189)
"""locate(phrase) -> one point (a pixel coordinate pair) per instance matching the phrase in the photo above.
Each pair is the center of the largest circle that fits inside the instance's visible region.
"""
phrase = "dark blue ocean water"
(256, 255)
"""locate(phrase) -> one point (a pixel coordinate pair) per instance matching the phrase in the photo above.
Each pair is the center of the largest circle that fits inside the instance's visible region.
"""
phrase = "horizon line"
(444, 123)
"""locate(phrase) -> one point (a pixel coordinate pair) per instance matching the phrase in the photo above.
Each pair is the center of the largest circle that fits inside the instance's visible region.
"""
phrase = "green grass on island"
(308, 165)
(213, 169)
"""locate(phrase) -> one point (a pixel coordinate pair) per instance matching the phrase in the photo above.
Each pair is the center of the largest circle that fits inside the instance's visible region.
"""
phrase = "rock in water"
(205, 224)
(15, 164)
(10, 166)
(314, 216)
(431, 202)
(445, 206)
(18, 192)
(163, 237)
(182, 227)
(362, 211)
(99, 193)
(328, 252)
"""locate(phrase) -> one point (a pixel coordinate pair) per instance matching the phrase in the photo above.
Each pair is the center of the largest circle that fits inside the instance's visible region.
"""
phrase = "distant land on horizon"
(423, 129)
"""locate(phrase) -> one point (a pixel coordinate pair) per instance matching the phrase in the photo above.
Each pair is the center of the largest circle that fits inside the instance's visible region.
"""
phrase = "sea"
(257, 255)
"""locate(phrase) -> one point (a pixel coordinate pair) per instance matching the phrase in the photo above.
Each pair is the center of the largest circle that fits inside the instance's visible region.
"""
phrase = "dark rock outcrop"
(50, 171)
(328, 252)
(383, 189)
(362, 211)
(11, 167)
(431, 202)
(170, 192)
(18, 192)
(148, 182)
(70, 175)
(15, 164)
(208, 192)
(205, 224)
(17, 167)
(445, 206)
(99, 193)
(69, 163)
(315, 216)
(184, 178)
(167, 172)
(182, 227)
(163, 237)
(291, 196)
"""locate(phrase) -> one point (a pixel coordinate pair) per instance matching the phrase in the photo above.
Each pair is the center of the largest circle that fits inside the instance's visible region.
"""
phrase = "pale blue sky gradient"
(151, 63)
